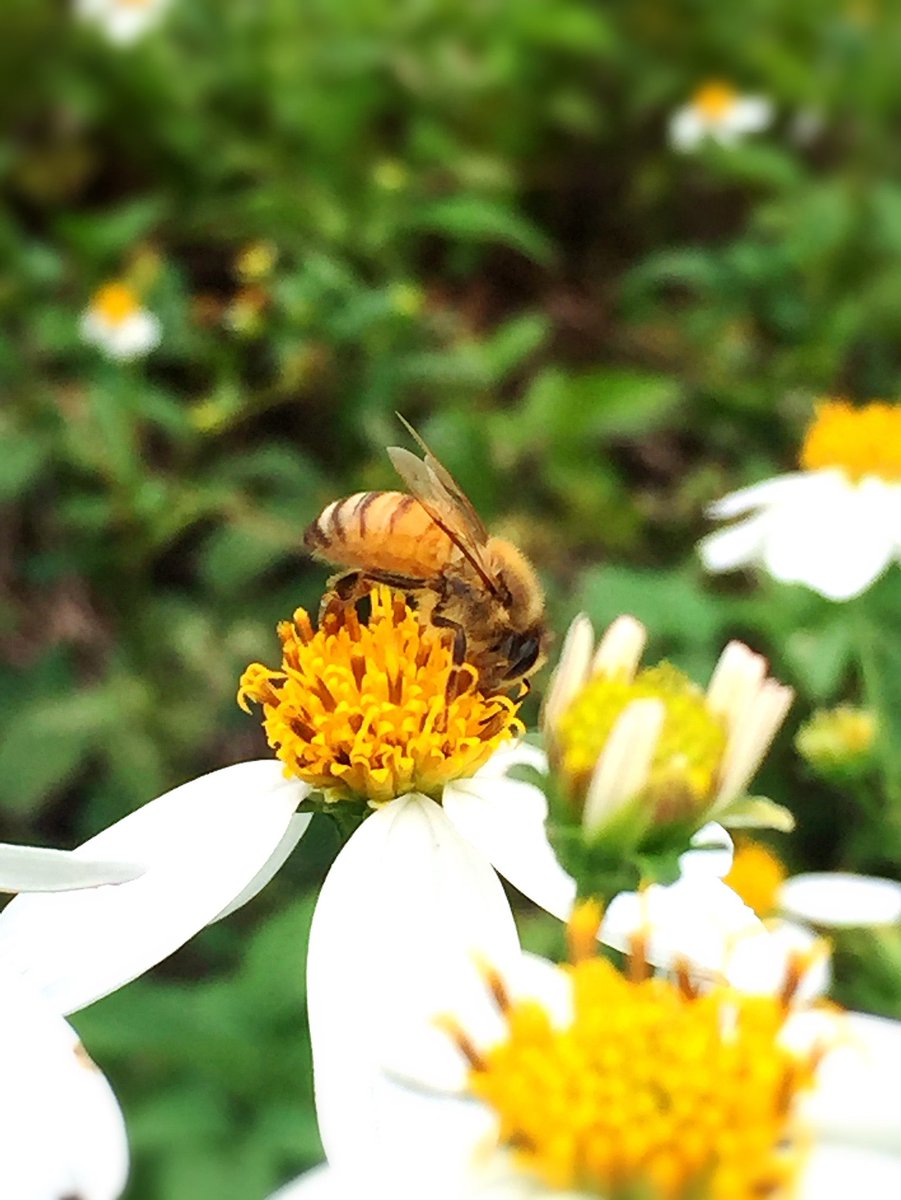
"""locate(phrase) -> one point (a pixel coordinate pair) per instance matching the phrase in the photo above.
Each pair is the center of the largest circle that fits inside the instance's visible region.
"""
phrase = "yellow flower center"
(650, 1091)
(860, 441)
(375, 711)
(688, 751)
(757, 874)
(115, 303)
(714, 100)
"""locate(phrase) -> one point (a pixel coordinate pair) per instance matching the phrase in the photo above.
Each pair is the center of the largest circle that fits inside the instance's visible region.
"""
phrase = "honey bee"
(432, 546)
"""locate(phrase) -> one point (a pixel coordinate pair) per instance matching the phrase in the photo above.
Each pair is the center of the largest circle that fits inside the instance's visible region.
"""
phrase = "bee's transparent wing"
(442, 498)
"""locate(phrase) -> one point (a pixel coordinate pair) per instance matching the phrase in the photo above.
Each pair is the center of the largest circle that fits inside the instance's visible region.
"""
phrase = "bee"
(431, 545)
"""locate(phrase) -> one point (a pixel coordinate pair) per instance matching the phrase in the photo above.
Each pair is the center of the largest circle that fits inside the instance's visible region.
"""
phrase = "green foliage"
(476, 220)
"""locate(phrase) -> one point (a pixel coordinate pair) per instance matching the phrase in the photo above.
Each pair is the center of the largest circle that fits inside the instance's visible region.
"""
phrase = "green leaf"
(469, 218)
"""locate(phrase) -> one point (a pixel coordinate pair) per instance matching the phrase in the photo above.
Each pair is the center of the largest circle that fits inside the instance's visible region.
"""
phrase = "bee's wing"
(445, 502)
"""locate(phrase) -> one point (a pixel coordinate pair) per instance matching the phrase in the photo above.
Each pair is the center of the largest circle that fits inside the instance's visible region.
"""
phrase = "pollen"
(714, 100)
(648, 1089)
(859, 441)
(757, 874)
(115, 303)
(373, 711)
(688, 752)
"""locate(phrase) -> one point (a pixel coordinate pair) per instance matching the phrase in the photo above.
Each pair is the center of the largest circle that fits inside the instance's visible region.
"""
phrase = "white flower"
(122, 21)
(116, 323)
(63, 1133)
(834, 526)
(621, 735)
(718, 112)
(436, 1139)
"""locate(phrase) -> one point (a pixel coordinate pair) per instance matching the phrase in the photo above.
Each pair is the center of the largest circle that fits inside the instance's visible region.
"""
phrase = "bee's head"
(523, 652)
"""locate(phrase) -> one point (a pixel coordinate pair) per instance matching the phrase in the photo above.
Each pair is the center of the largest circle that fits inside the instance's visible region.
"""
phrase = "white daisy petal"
(835, 1172)
(835, 539)
(696, 919)
(63, 1133)
(750, 114)
(297, 827)
(35, 869)
(200, 844)
(761, 960)
(624, 764)
(620, 649)
(838, 899)
(410, 903)
(686, 128)
(505, 820)
(571, 671)
(857, 1098)
(769, 492)
(737, 546)
(711, 854)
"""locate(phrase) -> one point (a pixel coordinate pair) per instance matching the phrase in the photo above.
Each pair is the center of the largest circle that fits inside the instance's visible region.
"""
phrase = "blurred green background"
(468, 212)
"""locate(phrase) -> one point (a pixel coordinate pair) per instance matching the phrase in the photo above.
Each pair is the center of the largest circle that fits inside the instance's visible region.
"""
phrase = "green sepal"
(756, 812)
(348, 814)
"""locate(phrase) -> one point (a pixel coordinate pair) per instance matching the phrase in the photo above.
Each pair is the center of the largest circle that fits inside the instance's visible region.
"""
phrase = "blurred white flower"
(116, 323)
(833, 526)
(122, 21)
(63, 1135)
(718, 112)
(566, 1079)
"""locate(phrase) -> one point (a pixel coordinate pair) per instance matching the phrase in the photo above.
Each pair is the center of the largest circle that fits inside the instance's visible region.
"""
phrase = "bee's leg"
(459, 635)
(352, 586)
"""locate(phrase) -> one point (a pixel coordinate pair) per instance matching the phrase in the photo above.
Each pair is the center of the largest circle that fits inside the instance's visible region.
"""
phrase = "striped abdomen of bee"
(387, 532)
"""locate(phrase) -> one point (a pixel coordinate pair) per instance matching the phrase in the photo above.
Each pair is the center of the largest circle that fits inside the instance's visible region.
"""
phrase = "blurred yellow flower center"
(115, 303)
(689, 749)
(860, 441)
(650, 1091)
(714, 100)
(757, 874)
(375, 711)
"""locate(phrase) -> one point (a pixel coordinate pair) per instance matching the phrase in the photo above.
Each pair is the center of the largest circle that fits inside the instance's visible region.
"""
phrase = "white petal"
(777, 490)
(620, 649)
(833, 1172)
(200, 844)
(836, 538)
(750, 739)
(749, 114)
(34, 869)
(841, 900)
(686, 129)
(404, 915)
(625, 762)
(297, 827)
(712, 853)
(571, 671)
(736, 546)
(761, 961)
(505, 820)
(696, 919)
(139, 334)
(857, 1098)
(736, 679)
(63, 1133)
(322, 1183)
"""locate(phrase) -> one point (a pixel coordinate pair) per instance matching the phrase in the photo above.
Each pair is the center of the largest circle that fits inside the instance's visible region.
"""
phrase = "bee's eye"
(524, 653)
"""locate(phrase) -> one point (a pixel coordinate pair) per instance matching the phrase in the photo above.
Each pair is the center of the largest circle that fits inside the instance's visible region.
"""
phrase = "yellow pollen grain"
(714, 100)
(377, 710)
(648, 1091)
(757, 874)
(115, 302)
(688, 752)
(859, 441)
